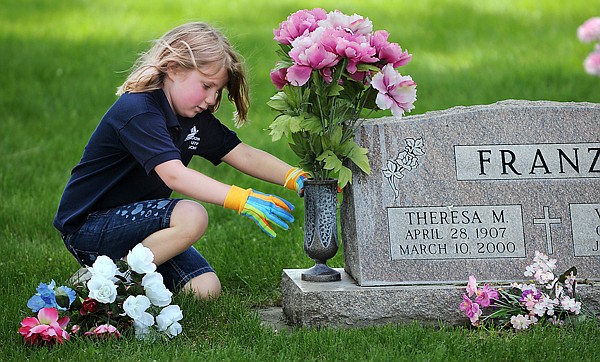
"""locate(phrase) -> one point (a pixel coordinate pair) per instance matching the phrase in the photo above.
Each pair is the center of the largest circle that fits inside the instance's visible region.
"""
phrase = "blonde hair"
(192, 46)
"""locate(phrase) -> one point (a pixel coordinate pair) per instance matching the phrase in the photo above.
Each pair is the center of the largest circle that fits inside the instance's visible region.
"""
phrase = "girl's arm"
(192, 183)
(261, 208)
(257, 163)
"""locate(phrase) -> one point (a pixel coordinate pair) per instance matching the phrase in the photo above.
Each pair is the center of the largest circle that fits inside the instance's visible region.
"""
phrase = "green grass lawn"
(62, 61)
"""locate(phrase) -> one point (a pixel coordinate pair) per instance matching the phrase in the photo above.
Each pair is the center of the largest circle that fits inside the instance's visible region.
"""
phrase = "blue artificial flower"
(44, 298)
(51, 296)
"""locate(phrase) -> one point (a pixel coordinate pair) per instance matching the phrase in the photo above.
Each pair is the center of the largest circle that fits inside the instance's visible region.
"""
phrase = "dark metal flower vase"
(320, 229)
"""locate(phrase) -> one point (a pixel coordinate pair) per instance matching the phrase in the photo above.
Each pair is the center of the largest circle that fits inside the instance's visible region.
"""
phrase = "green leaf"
(284, 125)
(364, 67)
(334, 90)
(315, 144)
(344, 176)
(311, 123)
(331, 161)
(279, 102)
(358, 155)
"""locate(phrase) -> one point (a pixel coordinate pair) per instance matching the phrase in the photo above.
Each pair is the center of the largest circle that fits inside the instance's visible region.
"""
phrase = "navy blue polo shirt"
(139, 132)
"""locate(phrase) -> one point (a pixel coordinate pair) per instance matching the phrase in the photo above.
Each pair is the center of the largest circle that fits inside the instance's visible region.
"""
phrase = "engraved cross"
(547, 221)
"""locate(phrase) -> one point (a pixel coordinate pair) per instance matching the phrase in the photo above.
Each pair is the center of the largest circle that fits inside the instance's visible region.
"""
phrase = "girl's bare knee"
(190, 219)
(205, 286)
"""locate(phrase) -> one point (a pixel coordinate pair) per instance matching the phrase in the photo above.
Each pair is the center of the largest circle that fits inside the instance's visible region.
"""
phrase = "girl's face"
(191, 92)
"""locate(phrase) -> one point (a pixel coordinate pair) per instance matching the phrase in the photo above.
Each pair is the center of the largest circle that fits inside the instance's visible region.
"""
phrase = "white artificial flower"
(142, 331)
(156, 290)
(135, 307)
(570, 304)
(174, 330)
(105, 267)
(140, 260)
(102, 289)
(168, 320)
(520, 322)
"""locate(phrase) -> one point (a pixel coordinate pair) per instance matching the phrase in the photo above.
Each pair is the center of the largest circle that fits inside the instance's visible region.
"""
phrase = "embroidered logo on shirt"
(192, 137)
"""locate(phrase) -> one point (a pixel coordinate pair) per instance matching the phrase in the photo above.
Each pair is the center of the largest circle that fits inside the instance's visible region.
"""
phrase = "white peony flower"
(102, 289)
(135, 307)
(140, 260)
(156, 290)
(105, 267)
(168, 320)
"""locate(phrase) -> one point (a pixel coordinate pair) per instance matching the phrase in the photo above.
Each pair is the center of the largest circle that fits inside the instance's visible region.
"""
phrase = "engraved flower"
(393, 172)
(408, 160)
(414, 146)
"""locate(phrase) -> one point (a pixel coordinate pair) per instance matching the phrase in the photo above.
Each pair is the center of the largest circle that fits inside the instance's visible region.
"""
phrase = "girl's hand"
(261, 208)
(294, 180)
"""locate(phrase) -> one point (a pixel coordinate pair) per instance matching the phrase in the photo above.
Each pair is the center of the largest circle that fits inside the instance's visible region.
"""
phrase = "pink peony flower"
(354, 47)
(389, 52)
(298, 24)
(590, 30)
(355, 24)
(46, 329)
(592, 63)
(308, 53)
(396, 92)
(471, 309)
(104, 331)
(278, 77)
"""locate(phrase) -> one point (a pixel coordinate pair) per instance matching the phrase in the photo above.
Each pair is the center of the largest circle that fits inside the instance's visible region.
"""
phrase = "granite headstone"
(475, 191)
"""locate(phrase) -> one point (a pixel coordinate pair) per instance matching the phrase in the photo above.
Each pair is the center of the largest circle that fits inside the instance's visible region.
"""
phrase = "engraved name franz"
(531, 161)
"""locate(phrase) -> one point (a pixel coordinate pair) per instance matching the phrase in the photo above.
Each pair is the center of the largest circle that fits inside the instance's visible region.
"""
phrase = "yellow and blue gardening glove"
(261, 208)
(294, 180)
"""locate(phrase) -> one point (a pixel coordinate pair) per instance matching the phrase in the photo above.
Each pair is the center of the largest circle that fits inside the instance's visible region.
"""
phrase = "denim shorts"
(115, 231)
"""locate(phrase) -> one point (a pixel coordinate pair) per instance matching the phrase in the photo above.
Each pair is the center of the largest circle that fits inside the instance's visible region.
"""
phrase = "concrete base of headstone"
(345, 304)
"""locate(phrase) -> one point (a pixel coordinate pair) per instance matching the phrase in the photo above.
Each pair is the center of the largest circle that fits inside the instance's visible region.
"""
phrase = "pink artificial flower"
(592, 62)
(530, 298)
(104, 331)
(396, 92)
(308, 53)
(298, 24)
(278, 77)
(570, 304)
(47, 328)
(389, 52)
(471, 286)
(471, 309)
(485, 296)
(354, 47)
(590, 30)
(355, 24)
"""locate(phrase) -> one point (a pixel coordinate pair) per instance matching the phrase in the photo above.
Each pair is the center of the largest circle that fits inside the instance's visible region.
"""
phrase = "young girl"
(118, 194)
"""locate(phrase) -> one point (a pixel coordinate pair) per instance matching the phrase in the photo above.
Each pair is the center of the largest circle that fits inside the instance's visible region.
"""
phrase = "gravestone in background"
(465, 191)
